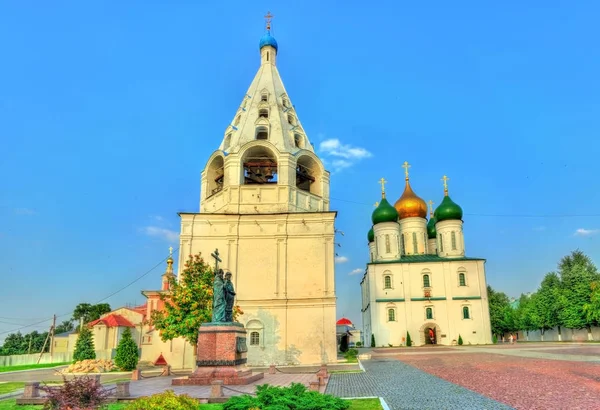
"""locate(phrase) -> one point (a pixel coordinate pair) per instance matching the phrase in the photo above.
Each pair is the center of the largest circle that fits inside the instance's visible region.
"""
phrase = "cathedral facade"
(265, 206)
(419, 281)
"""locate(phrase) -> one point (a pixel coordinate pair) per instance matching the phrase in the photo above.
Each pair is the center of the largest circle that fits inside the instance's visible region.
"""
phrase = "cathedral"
(419, 283)
(264, 216)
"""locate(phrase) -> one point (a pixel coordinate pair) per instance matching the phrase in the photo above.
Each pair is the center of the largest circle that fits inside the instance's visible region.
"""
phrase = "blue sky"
(96, 101)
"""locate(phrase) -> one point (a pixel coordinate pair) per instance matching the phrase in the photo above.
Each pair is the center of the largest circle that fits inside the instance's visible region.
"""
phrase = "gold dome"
(410, 205)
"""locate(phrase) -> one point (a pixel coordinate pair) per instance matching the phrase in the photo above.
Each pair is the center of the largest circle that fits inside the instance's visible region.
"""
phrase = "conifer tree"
(460, 341)
(127, 355)
(84, 347)
(372, 340)
(408, 339)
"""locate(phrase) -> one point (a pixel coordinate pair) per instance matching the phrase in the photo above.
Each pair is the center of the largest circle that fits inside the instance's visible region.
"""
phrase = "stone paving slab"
(405, 387)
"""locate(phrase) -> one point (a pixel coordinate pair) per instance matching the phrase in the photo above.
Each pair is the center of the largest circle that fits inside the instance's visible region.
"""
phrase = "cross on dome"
(268, 18)
(445, 179)
(406, 166)
(382, 181)
(431, 207)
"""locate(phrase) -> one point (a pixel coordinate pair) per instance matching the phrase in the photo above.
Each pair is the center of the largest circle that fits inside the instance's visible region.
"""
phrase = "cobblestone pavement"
(521, 382)
(405, 387)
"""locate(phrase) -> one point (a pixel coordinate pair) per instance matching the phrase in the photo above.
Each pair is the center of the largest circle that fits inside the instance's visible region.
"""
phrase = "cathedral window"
(462, 280)
(262, 133)
(426, 281)
(237, 120)
(415, 247)
(466, 313)
(267, 56)
(298, 141)
(453, 238)
(285, 102)
(391, 315)
(371, 256)
(254, 338)
(429, 313)
(263, 113)
(402, 247)
(215, 176)
(308, 175)
(260, 166)
(387, 282)
(291, 119)
(441, 243)
(387, 243)
(264, 97)
(227, 142)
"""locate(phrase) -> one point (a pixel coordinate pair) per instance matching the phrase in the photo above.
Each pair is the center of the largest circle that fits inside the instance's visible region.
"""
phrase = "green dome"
(384, 213)
(431, 233)
(448, 210)
(371, 235)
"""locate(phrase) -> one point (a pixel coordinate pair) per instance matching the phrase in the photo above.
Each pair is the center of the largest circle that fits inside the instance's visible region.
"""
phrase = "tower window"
(391, 315)
(286, 102)
(264, 97)
(387, 282)
(441, 243)
(237, 120)
(426, 281)
(429, 313)
(387, 243)
(262, 133)
(254, 338)
(227, 142)
(298, 141)
(466, 314)
(291, 119)
(462, 280)
(267, 56)
(415, 248)
(263, 113)
(403, 249)
(453, 239)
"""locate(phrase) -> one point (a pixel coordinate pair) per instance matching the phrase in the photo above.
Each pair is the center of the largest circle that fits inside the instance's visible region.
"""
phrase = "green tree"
(64, 327)
(408, 339)
(460, 341)
(372, 340)
(522, 317)
(592, 308)
(500, 312)
(89, 313)
(188, 303)
(84, 347)
(544, 308)
(577, 273)
(128, 354)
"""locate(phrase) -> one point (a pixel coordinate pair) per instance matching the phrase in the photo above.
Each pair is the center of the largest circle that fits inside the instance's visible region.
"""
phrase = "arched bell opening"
(215, 175)
(259, 166)
(308, 175)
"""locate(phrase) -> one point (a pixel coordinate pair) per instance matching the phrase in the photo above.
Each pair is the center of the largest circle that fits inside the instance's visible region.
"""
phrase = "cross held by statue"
(215, 255)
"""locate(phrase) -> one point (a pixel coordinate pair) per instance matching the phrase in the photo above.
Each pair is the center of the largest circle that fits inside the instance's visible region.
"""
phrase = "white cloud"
(586, 232)
(356, 271)
(341, 259)
(342, 155)
(25, 211)
(163, 233)
(157, 218)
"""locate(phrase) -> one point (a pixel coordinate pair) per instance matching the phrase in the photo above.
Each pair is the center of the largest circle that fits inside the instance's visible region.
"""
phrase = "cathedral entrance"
(430, 336)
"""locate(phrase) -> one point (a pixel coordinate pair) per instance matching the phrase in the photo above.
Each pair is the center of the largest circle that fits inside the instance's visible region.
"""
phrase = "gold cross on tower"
(406, 166)
(445, 179)
(268, 18)
(382, 181)
(430, 207)
(170, 251)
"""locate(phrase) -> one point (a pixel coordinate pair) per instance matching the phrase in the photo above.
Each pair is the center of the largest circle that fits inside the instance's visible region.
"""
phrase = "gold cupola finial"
(268, 18)
(382, 181)
(445, 179)
(431, 207)
(170, 261)
(376, 204)
(406, 166)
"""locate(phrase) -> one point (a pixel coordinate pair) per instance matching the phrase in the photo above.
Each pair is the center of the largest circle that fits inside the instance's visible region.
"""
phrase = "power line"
(101, 300)
(494, 215)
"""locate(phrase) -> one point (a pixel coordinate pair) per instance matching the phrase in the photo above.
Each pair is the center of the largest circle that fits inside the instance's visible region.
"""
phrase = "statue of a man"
(218, 313)
(229, 297)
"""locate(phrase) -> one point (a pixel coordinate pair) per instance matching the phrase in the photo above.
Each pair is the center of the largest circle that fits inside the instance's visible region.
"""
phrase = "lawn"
(358, 404)
(10, 387)
(30, 367)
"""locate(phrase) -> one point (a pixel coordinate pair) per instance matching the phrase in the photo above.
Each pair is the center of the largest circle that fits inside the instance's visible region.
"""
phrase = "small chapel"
(419, 283)
(264, 216)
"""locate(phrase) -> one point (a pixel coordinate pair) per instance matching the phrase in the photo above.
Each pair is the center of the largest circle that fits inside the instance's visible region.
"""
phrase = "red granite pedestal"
(221, 355)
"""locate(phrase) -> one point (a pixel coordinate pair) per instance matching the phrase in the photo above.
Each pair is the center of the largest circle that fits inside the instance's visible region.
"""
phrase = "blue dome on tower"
(268, 40)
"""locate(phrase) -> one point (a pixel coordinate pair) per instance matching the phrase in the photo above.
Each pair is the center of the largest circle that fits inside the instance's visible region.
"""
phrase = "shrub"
(408, 339)
(81, 393)
(351, 354)
(84, 347)
(460, 341)
(127, 352)
(166, 400)
(372, 340)
(495, 339)
(296, 396)
(358, 344)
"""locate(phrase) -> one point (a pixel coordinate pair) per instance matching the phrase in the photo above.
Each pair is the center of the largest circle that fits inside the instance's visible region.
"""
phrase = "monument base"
(221, 355)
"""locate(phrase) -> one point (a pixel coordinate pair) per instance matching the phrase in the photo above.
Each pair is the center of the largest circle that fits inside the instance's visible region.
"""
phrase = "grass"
(365, 404)
(30, 367)
(11, 387)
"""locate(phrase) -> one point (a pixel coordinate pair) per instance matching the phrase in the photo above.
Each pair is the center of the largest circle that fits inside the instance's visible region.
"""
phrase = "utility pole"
(51, 331)
(52, 338)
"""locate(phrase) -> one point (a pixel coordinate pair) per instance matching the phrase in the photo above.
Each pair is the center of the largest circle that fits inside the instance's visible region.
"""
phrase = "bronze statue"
(229, 297)
(219, 304)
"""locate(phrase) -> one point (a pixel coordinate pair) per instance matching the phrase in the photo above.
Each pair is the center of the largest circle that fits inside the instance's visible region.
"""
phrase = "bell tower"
(264, 204)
